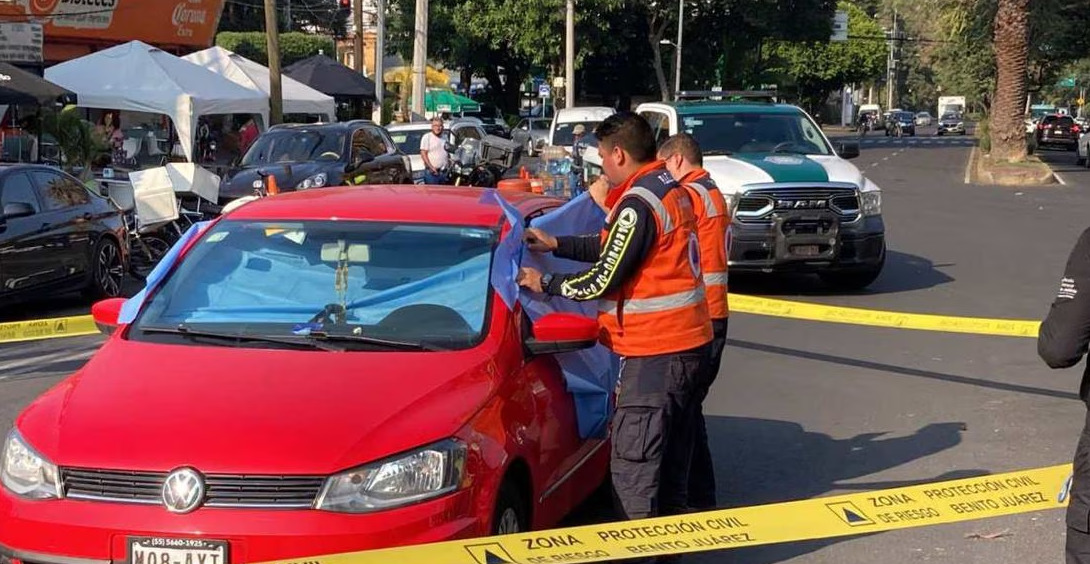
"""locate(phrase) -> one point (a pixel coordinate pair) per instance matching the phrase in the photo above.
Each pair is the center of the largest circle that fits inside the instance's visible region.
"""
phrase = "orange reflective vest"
(712, 228)
(662, 308)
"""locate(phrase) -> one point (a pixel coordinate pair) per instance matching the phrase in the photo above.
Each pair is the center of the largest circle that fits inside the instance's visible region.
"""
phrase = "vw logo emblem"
(183, 490)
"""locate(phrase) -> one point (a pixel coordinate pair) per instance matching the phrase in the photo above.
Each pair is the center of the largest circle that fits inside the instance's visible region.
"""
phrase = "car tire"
(856, 279)
(512, 514)
(107, 270)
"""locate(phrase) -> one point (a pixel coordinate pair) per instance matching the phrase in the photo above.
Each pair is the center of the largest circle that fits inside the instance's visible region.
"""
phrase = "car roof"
(414, 126)
(585, 113)
(391, 203)
(337, 126)
(706, 107)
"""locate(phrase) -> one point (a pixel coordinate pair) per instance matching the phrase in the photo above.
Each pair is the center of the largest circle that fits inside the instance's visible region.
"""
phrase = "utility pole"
(357, 24)
(287, 15)
(569, 57)
(420, 56)
(272, 35)
(380, 51)
(677, 61)
(894, 56)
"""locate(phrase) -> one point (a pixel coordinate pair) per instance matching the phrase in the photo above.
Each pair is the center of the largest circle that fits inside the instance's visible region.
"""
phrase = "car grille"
(758, 206)
(223, 490)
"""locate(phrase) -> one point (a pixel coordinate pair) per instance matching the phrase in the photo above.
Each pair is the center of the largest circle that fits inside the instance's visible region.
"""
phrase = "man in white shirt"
(433, 149)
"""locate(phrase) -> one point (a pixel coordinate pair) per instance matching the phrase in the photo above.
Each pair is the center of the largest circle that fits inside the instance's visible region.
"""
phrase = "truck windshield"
(753, 132)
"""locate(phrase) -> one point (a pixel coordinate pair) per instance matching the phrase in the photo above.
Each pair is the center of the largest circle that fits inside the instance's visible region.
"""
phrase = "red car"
(233, 420)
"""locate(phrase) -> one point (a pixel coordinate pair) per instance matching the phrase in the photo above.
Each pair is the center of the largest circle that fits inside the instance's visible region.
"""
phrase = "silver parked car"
(923, 118)
(532, 134)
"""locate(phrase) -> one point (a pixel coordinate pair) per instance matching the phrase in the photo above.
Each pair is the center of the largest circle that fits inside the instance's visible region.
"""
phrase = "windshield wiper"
(388, 343)
(186, 331)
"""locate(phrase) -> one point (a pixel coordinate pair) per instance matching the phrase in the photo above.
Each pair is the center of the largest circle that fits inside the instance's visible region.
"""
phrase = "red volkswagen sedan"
(319, 372)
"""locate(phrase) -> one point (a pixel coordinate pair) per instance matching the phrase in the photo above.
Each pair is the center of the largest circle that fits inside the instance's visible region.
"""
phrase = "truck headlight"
(422, 474)
(731, 200)
(316, 181)
(26, 473)
(872, 203)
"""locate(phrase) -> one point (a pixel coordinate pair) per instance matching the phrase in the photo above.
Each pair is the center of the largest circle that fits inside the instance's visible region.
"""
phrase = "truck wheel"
(855, 279)
(851, 279)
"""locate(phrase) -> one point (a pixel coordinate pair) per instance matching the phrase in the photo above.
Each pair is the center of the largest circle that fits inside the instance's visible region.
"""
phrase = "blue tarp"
(132, 306)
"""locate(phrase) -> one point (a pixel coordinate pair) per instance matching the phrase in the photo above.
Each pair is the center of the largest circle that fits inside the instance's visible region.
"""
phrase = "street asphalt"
(807, 409)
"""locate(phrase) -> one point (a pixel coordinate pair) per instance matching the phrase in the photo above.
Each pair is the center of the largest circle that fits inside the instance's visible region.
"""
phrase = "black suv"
(305, 156)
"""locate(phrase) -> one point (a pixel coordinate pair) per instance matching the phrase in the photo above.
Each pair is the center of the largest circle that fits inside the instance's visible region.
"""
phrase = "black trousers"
(701, 470)
(653, 431)
(1077, 550)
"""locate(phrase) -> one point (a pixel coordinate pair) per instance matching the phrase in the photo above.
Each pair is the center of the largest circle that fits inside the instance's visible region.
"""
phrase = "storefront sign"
(157, 22)
(20, 42)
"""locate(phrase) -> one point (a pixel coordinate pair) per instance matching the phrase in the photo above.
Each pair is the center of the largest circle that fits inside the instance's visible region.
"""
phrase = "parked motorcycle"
(475, 163)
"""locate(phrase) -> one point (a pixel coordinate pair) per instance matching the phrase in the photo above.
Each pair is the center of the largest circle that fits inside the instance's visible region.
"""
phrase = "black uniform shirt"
(1065, 333)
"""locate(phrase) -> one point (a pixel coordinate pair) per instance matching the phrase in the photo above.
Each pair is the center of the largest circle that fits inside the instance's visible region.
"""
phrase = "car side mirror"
(562, 332)
(106, 313)
(847, 149)
(14, 210)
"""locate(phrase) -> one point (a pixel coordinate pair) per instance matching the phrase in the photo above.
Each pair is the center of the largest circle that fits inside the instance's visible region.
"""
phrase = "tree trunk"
(1008, 133)
(657, 29)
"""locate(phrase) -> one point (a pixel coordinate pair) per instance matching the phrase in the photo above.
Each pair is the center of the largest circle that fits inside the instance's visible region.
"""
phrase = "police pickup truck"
(797, 204)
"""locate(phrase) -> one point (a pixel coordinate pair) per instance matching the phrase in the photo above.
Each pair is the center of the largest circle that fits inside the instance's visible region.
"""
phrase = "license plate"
(806, 250)
(157, 550)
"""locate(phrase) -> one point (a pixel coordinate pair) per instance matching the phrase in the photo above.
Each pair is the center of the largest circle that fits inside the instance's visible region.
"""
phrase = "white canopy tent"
(138, 77)
(298, 97)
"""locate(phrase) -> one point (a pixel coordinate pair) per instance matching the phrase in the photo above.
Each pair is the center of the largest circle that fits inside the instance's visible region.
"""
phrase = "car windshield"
(563, 136)
(755, 132)
(295, 146)
(951, 117)
(540, 125)
(409, 140)
(906, 116)
(410, 283)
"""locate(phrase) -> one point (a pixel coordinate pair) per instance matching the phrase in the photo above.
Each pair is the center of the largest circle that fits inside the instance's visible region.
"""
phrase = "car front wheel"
(511, 515)
(107, 270)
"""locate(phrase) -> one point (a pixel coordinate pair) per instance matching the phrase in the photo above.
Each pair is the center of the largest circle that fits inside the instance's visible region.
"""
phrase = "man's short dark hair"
(685, 145)
(631, 133)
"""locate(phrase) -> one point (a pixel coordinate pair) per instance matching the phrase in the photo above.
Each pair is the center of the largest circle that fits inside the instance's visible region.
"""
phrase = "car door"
(66, 215)
(397, 167)
(521, 133)
(376, 169)
(570, 466)
(27, 258)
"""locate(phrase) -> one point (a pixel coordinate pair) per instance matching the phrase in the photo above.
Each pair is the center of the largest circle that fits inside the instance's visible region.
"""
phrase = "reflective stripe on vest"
(709, 205)
(656, 206)
(657, 304)
(715, 278)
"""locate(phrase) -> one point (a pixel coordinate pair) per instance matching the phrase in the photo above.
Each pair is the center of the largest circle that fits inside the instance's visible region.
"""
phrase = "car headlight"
(316, 181)
(960, 124)
(731, 199)
(872, 203)
(26, 473)
(422, 474)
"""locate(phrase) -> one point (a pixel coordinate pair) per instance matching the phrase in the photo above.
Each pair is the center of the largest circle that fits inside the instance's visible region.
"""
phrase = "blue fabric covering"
(505, 266)
(591, 374)
(132, 306)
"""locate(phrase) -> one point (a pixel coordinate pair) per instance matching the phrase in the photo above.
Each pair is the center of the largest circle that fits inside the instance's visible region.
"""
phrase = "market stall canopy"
(298, 97)
(447, 101)
(138, 77)
(18, 86)
(326, 75)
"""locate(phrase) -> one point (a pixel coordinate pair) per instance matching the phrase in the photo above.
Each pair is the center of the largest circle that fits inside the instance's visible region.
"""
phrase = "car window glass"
(463, 133)
(1066, 121)
(540, 125)
(17, 188)
(58, 191)
(522, 125)
(366, 140)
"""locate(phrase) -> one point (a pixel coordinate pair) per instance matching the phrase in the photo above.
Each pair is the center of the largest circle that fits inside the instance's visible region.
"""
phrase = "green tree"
(814, 69)
(324, 17)
(294, 46)
(1012, 27)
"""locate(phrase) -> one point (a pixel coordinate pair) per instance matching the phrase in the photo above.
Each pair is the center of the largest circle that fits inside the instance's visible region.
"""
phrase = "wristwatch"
(546, 280)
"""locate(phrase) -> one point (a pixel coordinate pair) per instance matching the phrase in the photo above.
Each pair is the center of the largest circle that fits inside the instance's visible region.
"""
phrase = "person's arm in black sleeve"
(582, 248)
(631, 237)
(1065, 333)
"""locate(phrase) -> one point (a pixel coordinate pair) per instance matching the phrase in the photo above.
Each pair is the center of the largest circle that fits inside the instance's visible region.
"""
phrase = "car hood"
(234, 410)
(736, 173)
(240, 182)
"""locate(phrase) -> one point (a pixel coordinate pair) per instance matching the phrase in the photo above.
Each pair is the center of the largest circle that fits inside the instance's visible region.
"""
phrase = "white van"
(560, 134)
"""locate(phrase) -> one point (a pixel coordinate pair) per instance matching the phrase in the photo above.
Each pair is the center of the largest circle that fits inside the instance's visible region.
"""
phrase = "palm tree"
(1008, 133)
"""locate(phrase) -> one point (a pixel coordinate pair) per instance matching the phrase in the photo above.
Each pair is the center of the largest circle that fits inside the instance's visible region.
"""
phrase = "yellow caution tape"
(84, 325)
(875, 318)
(16, 331)
(828, 517)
